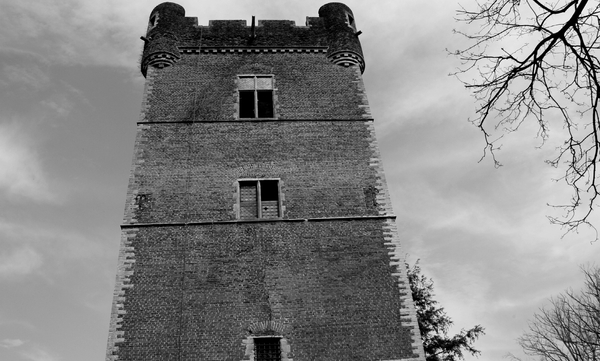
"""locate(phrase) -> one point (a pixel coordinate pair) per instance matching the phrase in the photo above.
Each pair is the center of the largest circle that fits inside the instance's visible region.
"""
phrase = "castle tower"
(257, 223)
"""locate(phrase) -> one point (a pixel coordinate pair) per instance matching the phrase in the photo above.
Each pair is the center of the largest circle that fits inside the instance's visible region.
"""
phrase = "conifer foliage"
(434, 323)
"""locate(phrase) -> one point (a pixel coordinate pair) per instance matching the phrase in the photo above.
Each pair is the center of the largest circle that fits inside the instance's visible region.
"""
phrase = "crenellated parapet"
(170, 32)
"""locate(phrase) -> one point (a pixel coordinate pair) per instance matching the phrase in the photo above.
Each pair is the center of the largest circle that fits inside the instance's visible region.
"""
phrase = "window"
(259, 199)
(152, 22)
(267, 349)
(350, 21)
(256, 96)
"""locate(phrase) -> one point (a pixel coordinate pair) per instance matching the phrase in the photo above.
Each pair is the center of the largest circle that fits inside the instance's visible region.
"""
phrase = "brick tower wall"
(197, 283)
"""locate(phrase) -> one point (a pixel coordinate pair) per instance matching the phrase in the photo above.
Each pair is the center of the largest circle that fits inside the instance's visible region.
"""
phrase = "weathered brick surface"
(189, 169)
(329, 283)
(307, 86)
(196, 283)
(123, 282)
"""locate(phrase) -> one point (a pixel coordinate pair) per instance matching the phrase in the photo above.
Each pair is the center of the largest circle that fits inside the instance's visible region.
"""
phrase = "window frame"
(152, 21)
(255, 92)
(350, 21)
(271, 338)
(259, 200)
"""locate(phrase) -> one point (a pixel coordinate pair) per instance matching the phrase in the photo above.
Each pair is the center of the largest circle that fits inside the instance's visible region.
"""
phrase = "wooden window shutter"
(248, 200)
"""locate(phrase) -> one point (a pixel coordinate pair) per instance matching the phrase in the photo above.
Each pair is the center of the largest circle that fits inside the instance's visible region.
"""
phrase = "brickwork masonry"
(133, 206)
(393, 244)
(124, 272)
(311, 283)
(196, 282)
(382, 197)
(364, 102)
(408, 311)
(149, 85)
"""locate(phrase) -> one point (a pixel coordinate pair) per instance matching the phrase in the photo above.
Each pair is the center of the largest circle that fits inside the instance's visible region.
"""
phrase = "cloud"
(29, 77)
(39, 354)
(21, 173)
(11, 343)
(28, 85)
(30, 248)
(74, 31)
(11, 53)
(60, 104)
(19, 262)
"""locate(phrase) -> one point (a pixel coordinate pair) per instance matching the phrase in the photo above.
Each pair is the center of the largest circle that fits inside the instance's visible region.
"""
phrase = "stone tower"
(258, 224)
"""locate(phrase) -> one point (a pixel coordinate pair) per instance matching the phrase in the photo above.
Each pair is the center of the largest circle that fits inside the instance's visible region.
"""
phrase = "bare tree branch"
(536, 60)
(569, 330)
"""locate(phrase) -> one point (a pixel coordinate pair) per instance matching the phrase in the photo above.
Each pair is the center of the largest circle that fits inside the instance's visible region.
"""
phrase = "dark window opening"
(256, 96)
(269, 190)
(246, 104)
(265, 103)
(153, 20)
(259, 199)
(350, 20)
(267, 349)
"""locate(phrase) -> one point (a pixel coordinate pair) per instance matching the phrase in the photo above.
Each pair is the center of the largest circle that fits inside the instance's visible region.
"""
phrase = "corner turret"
(170, 34)
(165, 16)
(160, 48)
(344, 46)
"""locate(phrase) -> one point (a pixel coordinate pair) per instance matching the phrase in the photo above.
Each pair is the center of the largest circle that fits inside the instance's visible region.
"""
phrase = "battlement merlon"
(169, 30)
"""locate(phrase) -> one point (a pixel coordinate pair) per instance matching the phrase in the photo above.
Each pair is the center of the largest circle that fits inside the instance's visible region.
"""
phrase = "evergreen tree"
(434, 323)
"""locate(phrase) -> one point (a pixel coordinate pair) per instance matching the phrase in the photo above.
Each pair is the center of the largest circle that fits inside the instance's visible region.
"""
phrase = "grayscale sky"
(70, 95)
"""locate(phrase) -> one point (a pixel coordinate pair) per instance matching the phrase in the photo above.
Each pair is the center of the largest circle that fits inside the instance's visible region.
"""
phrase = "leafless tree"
(537, 60)
(569, 330)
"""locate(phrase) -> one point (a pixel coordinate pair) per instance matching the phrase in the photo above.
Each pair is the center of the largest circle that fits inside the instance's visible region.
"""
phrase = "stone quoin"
(257, 223)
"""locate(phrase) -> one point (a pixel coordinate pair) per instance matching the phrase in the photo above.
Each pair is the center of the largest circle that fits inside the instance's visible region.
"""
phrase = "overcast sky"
(70, 95)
